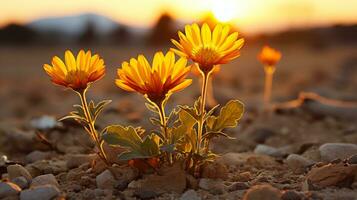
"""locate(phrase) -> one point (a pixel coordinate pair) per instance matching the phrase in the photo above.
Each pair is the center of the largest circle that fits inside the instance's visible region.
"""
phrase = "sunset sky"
(249, 15)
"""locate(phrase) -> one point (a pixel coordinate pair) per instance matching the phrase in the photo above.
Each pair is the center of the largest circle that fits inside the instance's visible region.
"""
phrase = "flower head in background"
(156, 81)
(76, 73)
(269, 56)
(208, 48)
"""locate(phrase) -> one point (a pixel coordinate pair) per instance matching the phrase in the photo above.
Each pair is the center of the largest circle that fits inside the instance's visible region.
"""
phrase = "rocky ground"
(308, 152)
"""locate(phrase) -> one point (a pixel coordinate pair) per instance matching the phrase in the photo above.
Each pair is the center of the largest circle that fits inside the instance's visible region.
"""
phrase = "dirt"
(27, 94)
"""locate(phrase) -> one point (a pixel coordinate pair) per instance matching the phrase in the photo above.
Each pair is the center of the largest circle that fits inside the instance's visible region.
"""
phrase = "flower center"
(205, 56)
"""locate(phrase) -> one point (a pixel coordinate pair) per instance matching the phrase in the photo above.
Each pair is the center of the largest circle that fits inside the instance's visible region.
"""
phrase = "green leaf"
(123, 136)
(191, 111)
(100, 106)
(129, 138)
(228, 117)
(74, 117)
(210, 112)
(211, 135)
(151, 107)
(187, 124)
(95, 110)
(156, 122)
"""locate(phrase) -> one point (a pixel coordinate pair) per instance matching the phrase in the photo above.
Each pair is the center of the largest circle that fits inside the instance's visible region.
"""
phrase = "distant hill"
(75, 25)
(88, 28)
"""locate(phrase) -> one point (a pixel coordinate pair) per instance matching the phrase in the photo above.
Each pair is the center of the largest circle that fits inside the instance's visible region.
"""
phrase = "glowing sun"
(224, 10)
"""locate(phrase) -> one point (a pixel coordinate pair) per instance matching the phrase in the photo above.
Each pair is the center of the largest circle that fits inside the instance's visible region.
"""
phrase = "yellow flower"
(208, 48)
(76, 73)
(269, 56)
(157, 81)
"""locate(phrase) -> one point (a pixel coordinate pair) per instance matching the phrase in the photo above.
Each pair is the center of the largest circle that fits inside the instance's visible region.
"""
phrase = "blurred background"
(318, 40)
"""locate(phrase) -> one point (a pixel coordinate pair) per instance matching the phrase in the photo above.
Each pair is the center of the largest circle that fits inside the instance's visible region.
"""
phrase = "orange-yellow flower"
(156, 81)
(76, 73)
(269, 56)
(208, 48)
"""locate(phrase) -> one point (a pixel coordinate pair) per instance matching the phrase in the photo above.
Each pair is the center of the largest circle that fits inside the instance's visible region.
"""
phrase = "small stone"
(145, 194)
(124, 173)
(212, 185)
(37, 155)
(192, 182)
(17, 171)
(352, 160)
(256, 160)
(259, 192)
(88, 194)
(238, 186)
(340, 175)
(244, 176)
(298, 163)
(46, 179)
(190, 195)
(332, 151)
(268, 150)
(8, 189)
(76, 160)
(173, 179)
(261, 135)
(44, 122)
(291, 195)
(21, 182)
(44, 192)
(105, 180)
(47, 167)
(215, 170)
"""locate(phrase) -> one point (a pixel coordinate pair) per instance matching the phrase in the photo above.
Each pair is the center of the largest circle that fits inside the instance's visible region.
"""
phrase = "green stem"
(164, 128)
(202, 110)
(92, 129)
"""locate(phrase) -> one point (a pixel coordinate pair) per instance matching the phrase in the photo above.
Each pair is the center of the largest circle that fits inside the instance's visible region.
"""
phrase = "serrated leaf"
(151, 107)
(210, 112)
(129, 138)
(123, 136)
(172, 118)
(228, 117)
(211, 135)
(155, 122)
(187, 124)
(100, 106)
(191, 111)
(74, 117)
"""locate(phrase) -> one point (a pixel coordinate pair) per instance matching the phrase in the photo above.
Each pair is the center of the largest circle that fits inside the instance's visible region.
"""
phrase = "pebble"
(352, 160)
(332, 151)
(46, 179)
(105, 180)
(76, 160)
(44, 122)
(173, 179)
(298, 163)
(215, 170)
(21, 182)
(238, 186)
(190, 195)
(37, 155)
(256, 160)
(259, 192)
(44, 192)
(261, 135)
(291, 195)
(17, 171)
(268, 150)
(339, 175)
(244, 176)
(192, 182)
(212, 185)
(8, 189)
